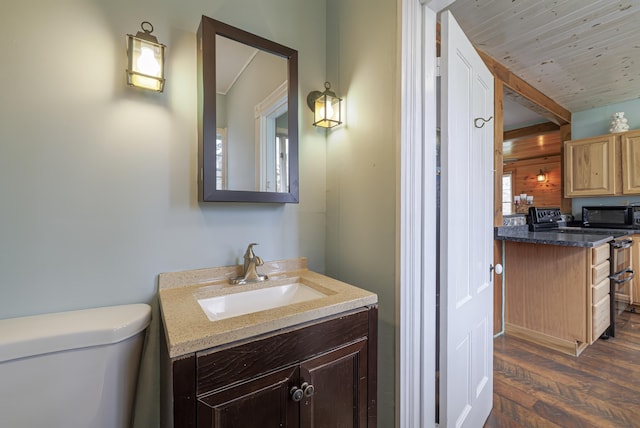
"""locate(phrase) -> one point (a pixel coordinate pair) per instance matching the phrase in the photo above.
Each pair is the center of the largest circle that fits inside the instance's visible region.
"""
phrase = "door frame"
(416, 289)
(415, 277)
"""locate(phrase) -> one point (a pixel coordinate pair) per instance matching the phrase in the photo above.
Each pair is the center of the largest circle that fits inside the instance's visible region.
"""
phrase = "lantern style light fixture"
(146, 59)
(326, 107)
(541, 177)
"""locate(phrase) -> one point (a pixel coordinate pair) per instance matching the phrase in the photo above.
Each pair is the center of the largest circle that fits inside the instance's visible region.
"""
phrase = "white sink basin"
(246, 302)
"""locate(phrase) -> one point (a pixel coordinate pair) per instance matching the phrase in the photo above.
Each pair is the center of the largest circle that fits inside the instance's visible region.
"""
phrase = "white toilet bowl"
(71, 369)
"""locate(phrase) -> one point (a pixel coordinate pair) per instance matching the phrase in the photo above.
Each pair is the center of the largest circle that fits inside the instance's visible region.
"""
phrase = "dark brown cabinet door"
(251, 384)
(339, 382)
(261, 402)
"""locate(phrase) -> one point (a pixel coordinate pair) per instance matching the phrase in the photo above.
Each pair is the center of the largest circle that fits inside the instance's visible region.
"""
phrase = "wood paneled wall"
(525, 157)
(530, 146)
(524, 176)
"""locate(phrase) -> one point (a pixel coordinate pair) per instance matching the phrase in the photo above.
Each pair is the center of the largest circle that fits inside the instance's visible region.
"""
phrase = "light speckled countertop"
(187, 328)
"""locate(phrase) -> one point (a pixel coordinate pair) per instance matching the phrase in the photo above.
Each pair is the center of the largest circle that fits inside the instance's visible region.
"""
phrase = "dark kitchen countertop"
(569, 237)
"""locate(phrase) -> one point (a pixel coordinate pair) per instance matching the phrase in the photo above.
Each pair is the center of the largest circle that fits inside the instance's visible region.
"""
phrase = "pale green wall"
(597, 121)
(593, 122)
(98, 180)
(361, 166)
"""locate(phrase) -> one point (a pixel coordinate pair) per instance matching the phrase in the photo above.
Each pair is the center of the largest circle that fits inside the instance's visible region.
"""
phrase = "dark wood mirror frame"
(207, 191)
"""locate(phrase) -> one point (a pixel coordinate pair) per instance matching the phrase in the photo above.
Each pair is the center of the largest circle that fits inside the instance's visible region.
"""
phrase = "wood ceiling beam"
(526, 90)
(540, 128)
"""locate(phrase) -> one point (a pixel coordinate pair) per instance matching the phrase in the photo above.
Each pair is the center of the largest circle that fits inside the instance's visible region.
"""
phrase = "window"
(221, 159)
(507, 193)
(282, 163)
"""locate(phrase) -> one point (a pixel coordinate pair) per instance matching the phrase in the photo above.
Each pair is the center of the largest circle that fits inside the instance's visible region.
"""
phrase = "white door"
(466, 234)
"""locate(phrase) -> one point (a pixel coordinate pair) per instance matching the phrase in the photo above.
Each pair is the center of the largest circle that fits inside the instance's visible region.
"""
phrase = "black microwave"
(622, 216)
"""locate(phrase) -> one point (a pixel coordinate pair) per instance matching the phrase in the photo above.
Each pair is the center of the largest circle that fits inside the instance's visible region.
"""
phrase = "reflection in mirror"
(282, 153)
(221, 158)
(248, 90)
(266, 115)
(530, 144)
(251, 88)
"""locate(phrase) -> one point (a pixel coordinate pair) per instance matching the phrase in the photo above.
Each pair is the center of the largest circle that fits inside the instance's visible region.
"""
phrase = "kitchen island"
(565, 236)
(556, 286)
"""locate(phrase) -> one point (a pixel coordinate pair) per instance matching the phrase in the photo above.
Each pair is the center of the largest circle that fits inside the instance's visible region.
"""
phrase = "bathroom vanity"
(296, 364)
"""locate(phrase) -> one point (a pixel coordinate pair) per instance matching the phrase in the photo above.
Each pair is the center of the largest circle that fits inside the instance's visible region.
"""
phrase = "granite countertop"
(188, 330)
(570, 237)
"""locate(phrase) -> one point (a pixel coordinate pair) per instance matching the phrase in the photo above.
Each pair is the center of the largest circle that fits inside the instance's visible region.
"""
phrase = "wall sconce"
(541, 177)
(326, 107)
(146, 60)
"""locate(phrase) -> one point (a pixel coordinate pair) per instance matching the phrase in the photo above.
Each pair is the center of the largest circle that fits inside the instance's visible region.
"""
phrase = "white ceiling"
(231, 59)
(518, 116)
(581, 53)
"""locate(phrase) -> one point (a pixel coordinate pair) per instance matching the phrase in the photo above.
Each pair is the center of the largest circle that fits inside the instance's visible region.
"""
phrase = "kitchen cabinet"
(321, 373)
(589, 166)
(605, 165)
(630, 144)
(556, 296)
(600, 286)
(635, 265)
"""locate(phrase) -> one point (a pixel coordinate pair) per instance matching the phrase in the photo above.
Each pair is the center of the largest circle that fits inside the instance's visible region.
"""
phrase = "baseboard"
(556, 343)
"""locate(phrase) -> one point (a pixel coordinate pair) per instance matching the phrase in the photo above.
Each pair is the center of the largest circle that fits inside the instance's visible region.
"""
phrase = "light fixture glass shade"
(327, 109)
(145, 68)
(541, 177)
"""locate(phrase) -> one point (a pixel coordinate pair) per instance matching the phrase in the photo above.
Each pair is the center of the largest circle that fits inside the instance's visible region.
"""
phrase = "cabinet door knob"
(308, 389)
(296, 393)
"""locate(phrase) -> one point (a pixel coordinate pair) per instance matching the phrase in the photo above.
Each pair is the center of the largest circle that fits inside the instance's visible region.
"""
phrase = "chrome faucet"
(251, 262)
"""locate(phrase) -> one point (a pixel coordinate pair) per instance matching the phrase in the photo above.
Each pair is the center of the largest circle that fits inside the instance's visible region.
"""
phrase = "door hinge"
(438, 66)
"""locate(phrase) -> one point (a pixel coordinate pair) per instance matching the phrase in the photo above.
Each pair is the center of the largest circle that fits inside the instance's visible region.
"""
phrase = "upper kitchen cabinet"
(589, 166)
(631, 162)
(606, 165)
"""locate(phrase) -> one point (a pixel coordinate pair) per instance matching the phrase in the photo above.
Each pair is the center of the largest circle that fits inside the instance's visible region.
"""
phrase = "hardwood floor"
(538, 387)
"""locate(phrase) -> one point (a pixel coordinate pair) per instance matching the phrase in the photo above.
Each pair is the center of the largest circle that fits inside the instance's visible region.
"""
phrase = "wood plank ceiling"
(581, 53)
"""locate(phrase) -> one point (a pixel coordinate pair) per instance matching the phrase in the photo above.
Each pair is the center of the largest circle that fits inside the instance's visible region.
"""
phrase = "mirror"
(247, 117)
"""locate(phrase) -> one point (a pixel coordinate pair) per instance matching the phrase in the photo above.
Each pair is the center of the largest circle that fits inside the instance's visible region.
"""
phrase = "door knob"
(308, 389)
(296, 393)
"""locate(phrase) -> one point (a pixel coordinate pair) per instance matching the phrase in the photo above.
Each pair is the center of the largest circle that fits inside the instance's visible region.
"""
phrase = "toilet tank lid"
(42, 334)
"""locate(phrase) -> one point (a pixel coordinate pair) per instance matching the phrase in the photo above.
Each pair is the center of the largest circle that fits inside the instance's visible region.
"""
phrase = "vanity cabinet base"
(333, 361)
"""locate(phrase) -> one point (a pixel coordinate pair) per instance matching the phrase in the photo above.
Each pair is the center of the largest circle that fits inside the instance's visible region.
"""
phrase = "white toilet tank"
(75, 369)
